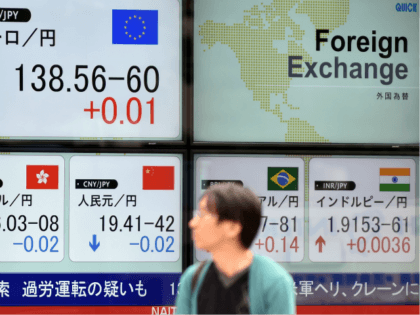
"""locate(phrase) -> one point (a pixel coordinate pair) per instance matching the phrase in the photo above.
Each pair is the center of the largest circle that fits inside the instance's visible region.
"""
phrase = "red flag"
(158, 178)
(41, 176)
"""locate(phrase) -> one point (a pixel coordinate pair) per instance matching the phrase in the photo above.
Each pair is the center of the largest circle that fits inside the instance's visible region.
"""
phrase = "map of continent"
(263, 69)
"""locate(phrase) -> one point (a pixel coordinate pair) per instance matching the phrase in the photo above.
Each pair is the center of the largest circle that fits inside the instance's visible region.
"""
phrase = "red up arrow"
(320, 241)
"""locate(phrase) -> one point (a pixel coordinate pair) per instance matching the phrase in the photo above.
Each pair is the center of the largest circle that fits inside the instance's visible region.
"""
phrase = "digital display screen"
(306, 71)
(83, 70)
(90, 229)
(330, 221)
(283, 220)
(369, 206)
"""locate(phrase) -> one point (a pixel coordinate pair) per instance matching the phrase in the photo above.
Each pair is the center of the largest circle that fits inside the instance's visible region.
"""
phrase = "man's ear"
(232, 229)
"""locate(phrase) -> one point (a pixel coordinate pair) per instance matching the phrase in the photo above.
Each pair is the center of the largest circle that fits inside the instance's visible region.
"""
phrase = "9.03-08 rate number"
(20, 224)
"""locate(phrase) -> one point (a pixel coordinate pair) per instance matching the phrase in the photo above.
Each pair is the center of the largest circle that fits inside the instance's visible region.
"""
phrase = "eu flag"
(135, 27)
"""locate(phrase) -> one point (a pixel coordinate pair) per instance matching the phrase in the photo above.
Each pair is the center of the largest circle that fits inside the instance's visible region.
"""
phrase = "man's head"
(227, 214)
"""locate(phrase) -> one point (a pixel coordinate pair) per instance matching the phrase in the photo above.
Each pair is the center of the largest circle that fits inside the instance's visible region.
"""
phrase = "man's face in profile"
(207, 232)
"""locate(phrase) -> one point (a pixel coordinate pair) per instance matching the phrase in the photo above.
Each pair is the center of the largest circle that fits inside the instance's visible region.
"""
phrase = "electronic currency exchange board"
(343, 226)
(88, 70)
(316, 71)
(90, 229)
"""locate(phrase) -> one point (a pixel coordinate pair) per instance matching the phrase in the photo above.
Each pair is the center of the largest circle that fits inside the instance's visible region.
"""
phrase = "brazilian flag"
(282, 178)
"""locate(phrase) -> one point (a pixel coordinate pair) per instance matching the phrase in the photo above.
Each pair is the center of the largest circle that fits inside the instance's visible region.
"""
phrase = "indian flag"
(394, 179)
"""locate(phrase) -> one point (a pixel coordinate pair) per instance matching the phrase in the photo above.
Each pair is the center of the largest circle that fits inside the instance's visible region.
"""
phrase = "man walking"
(235, 280)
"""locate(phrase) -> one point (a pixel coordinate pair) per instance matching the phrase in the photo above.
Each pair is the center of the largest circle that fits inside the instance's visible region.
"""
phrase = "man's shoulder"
(271, 288)
(268, 268)
(190, 271)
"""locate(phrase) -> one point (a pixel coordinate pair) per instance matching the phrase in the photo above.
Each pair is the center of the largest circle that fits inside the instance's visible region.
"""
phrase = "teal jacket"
(270, 288)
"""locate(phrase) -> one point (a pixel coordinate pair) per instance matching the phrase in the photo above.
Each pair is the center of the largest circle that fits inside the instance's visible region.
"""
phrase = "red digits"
(114, 110)
(152, 110)
(272, 244)
(358, 244)
(404, 243)
(128, 110)
(295, 244)
(389, 245)
(398, 245)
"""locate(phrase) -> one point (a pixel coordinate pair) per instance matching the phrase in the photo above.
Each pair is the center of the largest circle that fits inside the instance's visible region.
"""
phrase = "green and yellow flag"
(282, 178)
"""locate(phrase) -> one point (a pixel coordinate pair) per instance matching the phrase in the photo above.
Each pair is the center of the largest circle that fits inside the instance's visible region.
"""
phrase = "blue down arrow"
(95, 245)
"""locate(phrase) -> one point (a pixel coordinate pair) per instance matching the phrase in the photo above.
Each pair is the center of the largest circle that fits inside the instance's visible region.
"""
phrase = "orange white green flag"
(394, 179)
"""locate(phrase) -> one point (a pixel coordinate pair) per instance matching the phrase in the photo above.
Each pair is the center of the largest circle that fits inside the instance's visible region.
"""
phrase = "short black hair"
(235, 203)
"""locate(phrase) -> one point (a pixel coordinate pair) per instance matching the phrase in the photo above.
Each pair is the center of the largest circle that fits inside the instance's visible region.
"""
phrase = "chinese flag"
(41, 176)
(158, 177)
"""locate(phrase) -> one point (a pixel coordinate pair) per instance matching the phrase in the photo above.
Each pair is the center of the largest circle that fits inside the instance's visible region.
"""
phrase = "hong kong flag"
(158, 178)
(41, 176)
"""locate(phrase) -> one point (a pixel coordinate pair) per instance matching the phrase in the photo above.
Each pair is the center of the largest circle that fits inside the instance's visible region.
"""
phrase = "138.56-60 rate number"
(98, 81)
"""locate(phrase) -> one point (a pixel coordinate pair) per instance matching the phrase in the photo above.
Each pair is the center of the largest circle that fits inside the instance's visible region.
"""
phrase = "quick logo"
(406, 7)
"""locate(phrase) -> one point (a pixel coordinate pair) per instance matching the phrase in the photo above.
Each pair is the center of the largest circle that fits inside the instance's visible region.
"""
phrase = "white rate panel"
(362, 210)
(306, 71)
(90, 69)
(125, 208)
(31, 208)
(279, 184)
